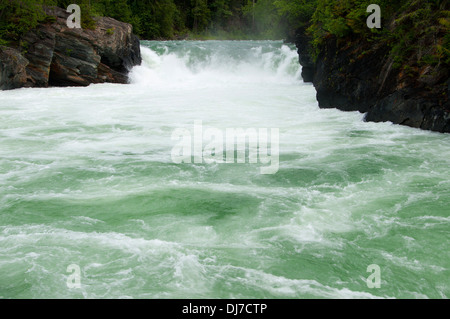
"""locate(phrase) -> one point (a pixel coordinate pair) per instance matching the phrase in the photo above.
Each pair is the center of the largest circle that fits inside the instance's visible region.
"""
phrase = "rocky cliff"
(54, 55)
(356, 75)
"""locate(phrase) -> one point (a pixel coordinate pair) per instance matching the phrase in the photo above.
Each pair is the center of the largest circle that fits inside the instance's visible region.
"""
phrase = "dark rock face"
(357, 76)
(12, 68)
(40, 45)
(54, 55)
(304, 48)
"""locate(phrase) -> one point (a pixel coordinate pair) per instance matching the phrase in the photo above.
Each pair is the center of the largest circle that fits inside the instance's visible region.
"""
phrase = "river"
(88, 181)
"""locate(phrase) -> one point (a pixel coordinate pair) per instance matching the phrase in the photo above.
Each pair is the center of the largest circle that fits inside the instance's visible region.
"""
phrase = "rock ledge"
(54, 55)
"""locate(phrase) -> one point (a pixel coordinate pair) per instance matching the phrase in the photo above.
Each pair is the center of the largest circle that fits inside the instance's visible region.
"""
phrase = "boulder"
(54, 55)
(355, 75)
(13, 68)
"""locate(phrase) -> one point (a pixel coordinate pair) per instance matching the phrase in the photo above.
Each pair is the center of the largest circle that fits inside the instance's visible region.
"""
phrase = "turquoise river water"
(87, 178)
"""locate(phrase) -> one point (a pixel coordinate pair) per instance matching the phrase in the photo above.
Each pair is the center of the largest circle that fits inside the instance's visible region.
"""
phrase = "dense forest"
(167, 19)
(405, 22)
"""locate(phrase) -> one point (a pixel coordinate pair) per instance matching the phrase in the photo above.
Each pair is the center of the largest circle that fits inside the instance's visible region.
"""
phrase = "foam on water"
(86, 178)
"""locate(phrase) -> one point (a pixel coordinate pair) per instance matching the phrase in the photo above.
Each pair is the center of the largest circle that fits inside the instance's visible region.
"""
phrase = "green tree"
(220, 13)
(200, 15)
(19, 16)
(264, 19)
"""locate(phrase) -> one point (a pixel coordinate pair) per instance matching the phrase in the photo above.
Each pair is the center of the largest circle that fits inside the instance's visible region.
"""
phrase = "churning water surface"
(87, 178)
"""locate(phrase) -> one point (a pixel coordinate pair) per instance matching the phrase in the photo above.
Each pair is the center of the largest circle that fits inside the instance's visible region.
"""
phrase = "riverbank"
(54, 55)
(398, 74)
(87, 178)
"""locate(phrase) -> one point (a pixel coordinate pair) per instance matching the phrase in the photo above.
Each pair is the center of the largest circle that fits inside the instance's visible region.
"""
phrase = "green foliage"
(340, 18)
(89, 10)
(262, 16)
(154, 20)
(416, 30)
(220, 13)
(18, 17)
(418, 34)
(297, 13)
(200, 14)
(446, 48)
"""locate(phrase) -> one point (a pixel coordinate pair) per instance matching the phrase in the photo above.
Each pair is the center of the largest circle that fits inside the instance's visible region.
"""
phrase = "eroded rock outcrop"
(13, 65)
(354, 75)
(54, 55)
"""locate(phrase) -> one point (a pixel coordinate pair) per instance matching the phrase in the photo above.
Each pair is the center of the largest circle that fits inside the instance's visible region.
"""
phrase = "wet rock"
(352, 75)
(55, 55)
(13, 67)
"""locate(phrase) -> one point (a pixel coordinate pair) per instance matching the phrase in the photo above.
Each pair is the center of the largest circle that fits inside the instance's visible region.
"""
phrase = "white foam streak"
(86, 176)
(184, 70)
